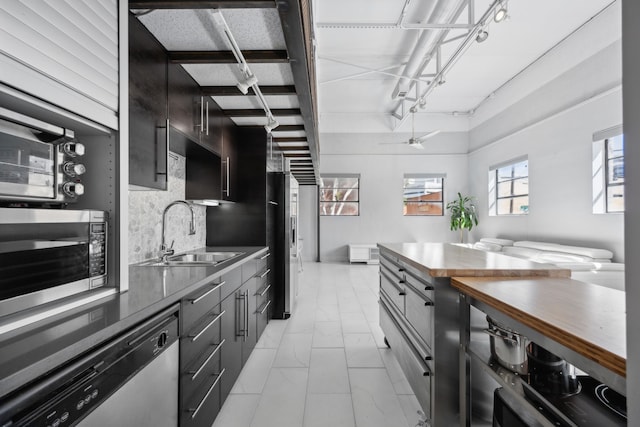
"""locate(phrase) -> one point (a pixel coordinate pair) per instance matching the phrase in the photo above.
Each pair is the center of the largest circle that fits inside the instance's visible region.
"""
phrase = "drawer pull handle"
(428, 303)
(197, 371)
(402, 294)
(215, 288)
(267, 271)
(267, 254)
(265, 307)
(428, 288)
(199, 334)
(264, 291)
(206, 396)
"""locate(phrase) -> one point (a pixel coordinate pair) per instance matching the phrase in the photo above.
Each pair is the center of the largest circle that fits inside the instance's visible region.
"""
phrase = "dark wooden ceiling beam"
(227, 57)
(202, 4)
(248, 112)
(295, 155)
(289, 138)
(289, 128)
(234, 91)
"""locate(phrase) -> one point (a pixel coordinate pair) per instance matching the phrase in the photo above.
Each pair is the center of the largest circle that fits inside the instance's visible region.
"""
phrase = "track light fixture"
(482, 36)
(501, 12)
(244, 86)
(271, 124)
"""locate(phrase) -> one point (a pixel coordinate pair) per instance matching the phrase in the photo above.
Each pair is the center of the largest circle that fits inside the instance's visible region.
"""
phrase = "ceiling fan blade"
(429, 135)
(417, 146)
(394, 143)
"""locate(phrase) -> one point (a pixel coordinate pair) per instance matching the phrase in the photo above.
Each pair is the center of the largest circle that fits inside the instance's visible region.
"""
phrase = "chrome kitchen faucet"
(164, 250)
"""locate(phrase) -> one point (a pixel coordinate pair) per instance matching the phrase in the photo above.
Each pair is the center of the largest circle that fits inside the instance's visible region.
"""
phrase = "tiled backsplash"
(145, 217)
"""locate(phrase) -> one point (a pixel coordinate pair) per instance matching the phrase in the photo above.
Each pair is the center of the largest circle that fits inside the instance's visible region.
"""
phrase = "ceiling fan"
(415, 142)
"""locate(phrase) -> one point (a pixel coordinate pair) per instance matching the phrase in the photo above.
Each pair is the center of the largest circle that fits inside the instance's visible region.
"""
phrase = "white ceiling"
(533, 28)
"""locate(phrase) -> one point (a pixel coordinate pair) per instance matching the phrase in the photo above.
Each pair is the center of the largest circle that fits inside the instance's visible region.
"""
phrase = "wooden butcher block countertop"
(586, 318)
(448, 260)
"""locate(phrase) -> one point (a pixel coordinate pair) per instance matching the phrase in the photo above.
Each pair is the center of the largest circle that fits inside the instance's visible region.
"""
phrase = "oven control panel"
(97, 249)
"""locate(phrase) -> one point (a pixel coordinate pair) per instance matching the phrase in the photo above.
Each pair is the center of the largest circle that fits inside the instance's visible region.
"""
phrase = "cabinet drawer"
(200, 302)
(249, 270)
(419, 313)
(200, 337)
(263, 261)
(420, 285)
(393, 288)
(393, 268)
(232, 281)
(262, 317)
(263, 289)
(203, 406)
(409, 358)
(193, 377)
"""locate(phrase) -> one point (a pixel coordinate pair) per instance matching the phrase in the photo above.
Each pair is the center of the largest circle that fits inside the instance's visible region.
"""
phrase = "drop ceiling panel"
(229, 74)
(195, 29)
(286, 134)
(250, 101)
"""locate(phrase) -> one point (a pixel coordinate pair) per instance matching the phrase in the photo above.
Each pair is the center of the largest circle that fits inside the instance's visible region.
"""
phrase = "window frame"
(321, 189)
(608, 185)
(441, 177)
(494, 182)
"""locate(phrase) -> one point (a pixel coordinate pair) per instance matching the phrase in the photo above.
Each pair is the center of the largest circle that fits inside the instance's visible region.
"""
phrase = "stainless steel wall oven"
(50, 254)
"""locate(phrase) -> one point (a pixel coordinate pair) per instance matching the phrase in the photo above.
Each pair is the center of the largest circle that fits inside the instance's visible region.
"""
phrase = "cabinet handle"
(265, 256)
(267, 271)
(428, 303)
(239, 328)
(428, 288)
(206, 396)
(215, 288)
(201, 114)
(265, 307)
(166, 151)
(197, 371)
(228, 190)
(246, 314)
(264, 291)
(199, 334)
(207, 116)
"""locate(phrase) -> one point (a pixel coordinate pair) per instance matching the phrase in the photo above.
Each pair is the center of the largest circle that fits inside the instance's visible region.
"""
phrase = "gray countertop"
(30, 352)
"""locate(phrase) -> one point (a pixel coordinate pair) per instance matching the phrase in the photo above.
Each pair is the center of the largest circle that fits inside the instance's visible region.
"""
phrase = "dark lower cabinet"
(221, 325)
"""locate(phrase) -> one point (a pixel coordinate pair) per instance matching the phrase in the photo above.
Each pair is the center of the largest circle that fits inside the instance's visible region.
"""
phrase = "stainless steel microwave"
(50, 254)
(39, 162)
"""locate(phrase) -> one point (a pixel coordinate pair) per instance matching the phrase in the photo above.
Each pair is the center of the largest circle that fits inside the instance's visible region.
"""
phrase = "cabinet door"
(211, 136)
(249, 343)
(229, 162)
(148, 150)
(186, 111)
(232, 349)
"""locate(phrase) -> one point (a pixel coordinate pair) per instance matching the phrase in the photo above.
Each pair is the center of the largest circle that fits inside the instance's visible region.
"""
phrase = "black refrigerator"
(282, 235)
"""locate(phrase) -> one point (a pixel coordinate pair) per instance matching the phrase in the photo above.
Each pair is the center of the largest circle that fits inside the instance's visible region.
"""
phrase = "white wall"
(381, 218)
(308, 221)
(554, 127)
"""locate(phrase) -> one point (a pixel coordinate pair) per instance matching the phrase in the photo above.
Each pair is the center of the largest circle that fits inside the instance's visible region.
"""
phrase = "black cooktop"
(594, 405)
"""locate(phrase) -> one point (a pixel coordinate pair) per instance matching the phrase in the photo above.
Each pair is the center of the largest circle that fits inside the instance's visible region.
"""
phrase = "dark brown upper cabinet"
(186, 109)
(148, 139)
(229, 161)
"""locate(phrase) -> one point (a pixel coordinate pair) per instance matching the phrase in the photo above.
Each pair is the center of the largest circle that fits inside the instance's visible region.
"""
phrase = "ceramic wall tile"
(145, 217)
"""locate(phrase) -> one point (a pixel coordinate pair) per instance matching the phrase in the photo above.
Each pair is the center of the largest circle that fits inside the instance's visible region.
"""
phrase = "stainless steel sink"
(194, 259)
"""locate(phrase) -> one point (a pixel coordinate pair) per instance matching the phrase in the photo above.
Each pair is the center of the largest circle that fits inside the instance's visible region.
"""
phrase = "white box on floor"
(364, 253)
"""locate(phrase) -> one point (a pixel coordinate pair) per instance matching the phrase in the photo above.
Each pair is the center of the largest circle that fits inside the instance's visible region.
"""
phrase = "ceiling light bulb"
(500, 14)
(482, 36)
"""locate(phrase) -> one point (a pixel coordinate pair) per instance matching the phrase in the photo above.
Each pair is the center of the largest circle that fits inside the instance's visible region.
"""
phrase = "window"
(340, 195)
(509, 188)
(422, 195)
(608, 171)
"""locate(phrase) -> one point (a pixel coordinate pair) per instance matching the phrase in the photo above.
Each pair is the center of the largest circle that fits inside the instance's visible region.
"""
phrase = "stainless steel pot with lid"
(508, 347)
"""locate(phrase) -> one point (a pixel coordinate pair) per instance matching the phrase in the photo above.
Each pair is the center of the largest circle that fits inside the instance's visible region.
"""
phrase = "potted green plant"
(463, 214)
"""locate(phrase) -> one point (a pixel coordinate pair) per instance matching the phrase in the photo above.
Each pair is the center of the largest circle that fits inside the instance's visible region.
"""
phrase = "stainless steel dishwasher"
(131, 380)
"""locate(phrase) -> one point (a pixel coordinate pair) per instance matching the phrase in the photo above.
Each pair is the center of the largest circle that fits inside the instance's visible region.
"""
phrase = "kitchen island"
(582, 323)
(32, 352)
(419, 314)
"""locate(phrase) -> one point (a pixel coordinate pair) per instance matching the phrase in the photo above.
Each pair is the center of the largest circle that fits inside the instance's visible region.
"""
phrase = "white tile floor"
(327, 365)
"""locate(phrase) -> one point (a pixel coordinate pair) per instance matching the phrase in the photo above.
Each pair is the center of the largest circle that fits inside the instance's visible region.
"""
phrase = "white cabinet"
(65, 53)
(364, 253)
